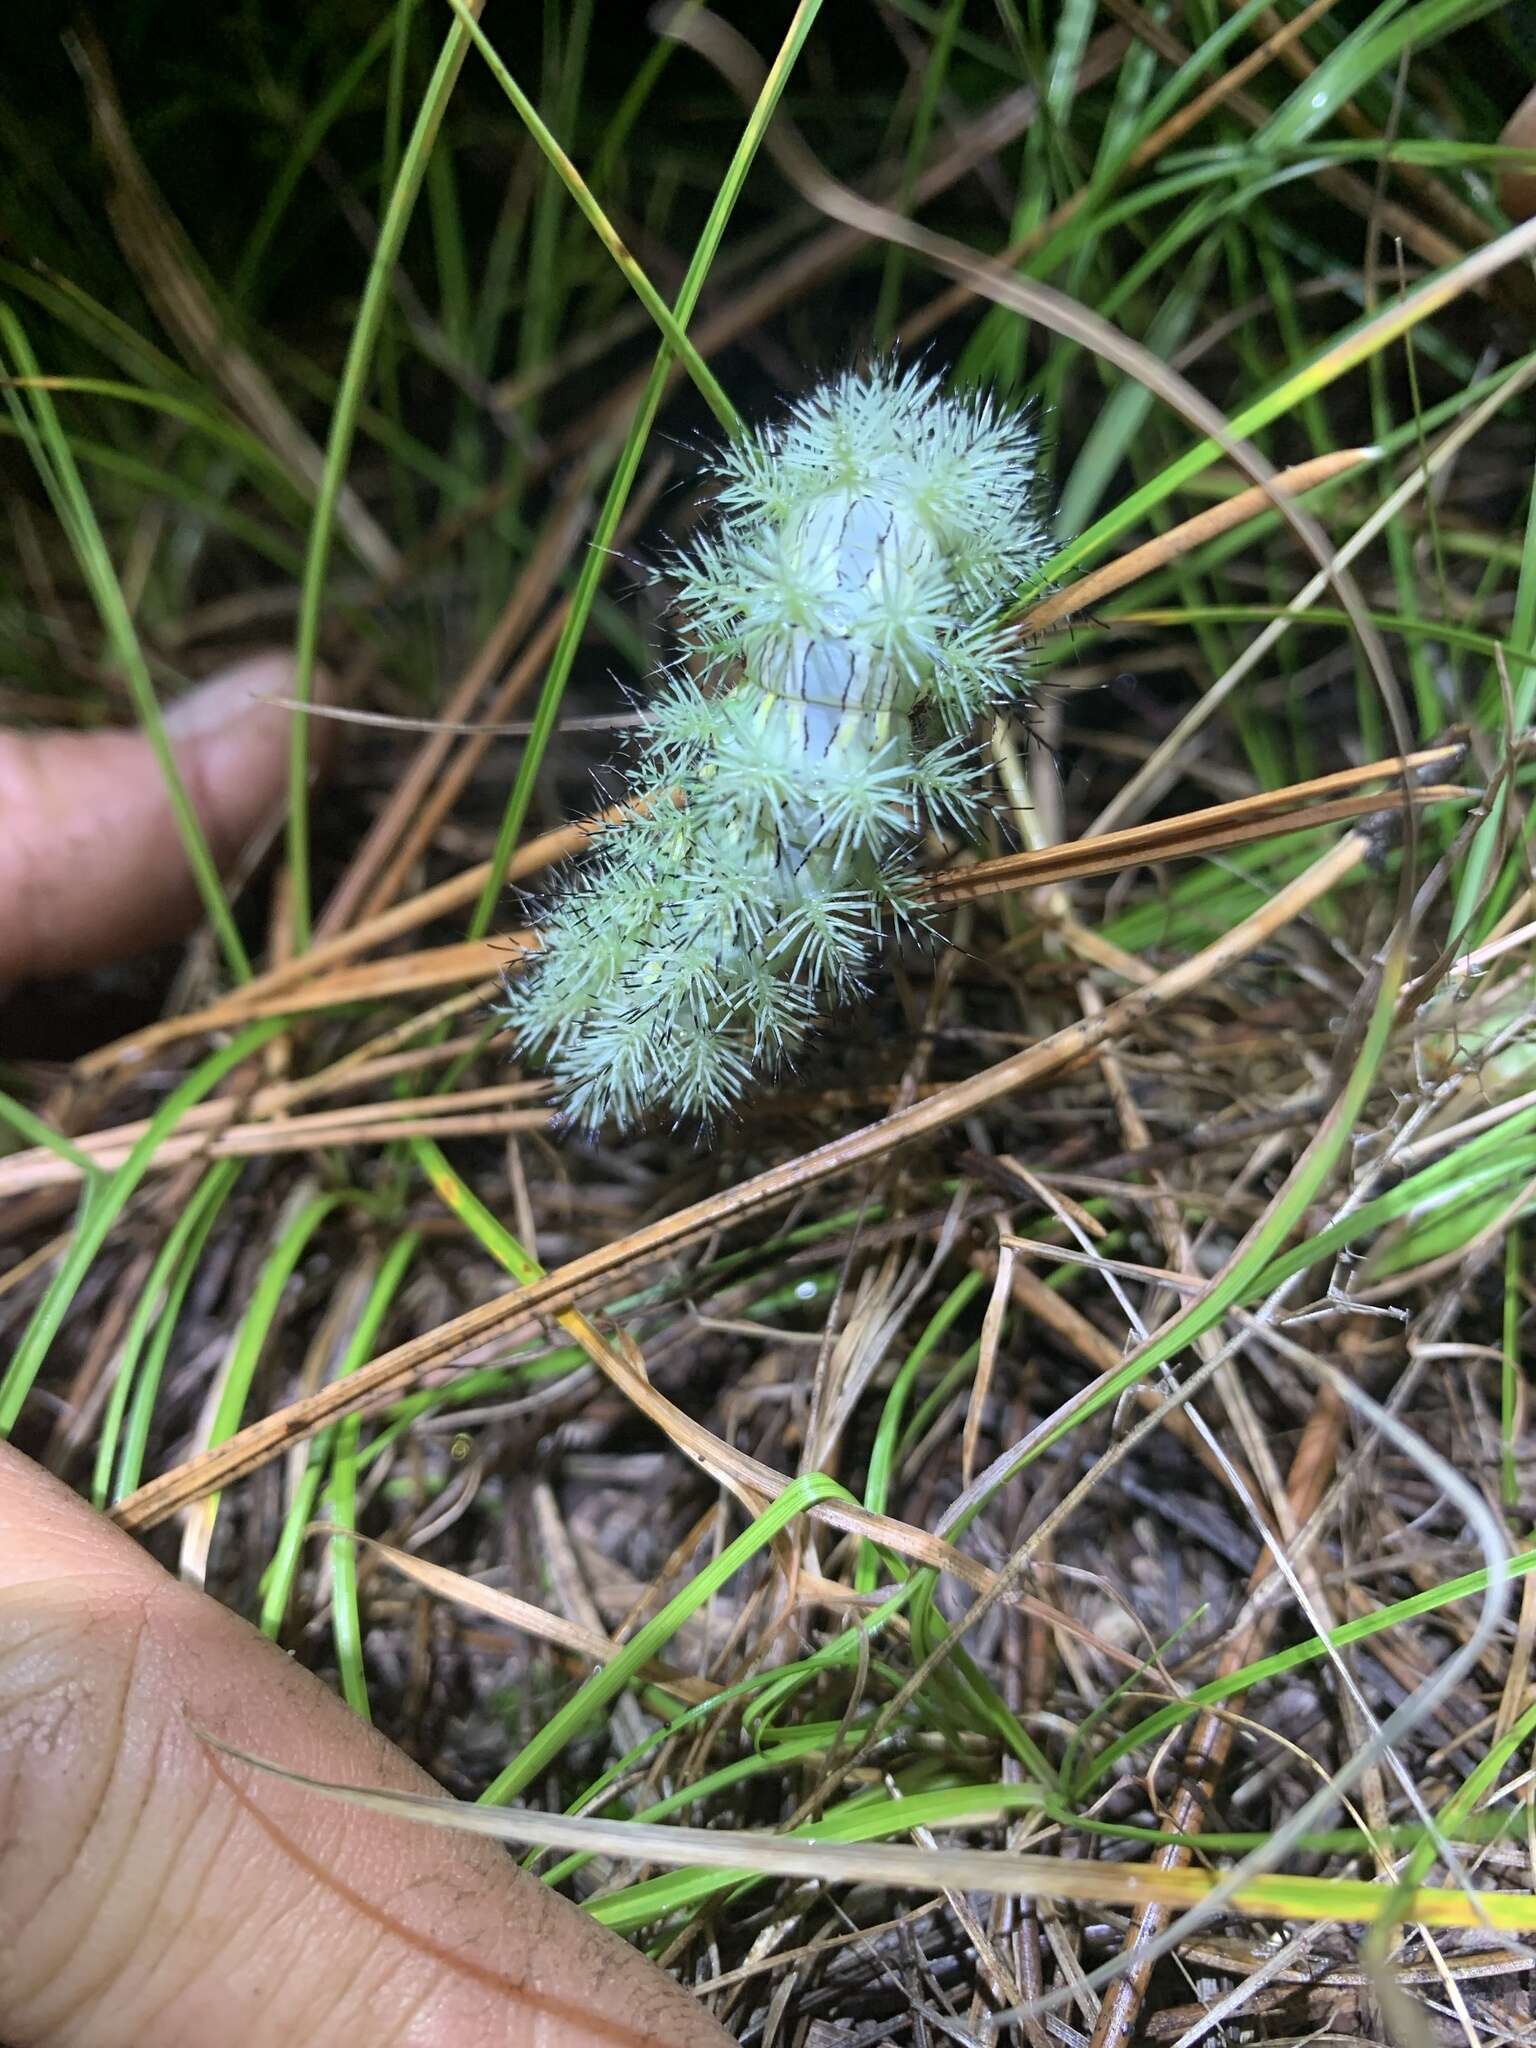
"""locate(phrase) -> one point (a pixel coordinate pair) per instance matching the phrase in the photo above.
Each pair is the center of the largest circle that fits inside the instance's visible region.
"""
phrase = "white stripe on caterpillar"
(866, 549)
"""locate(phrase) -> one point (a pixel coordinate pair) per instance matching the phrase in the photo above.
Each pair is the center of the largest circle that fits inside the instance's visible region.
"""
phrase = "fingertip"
(232, 737)
(93, 866)
(1517, 182)
(258, 695)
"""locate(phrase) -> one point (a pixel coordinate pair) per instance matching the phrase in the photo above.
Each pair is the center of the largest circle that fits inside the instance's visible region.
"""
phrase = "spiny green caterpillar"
(866, 548)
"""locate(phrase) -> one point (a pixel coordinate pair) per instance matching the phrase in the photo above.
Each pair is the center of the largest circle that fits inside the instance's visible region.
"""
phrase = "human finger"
(150, 1891)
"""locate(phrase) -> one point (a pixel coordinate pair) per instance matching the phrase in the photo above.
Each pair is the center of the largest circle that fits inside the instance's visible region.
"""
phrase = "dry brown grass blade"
(302, 986)
(1266, 814)
(386, 1377)
(405, 974)
(1076, 863)
(363, 886)
(36, 1261)
(161, 258)
(402, 1047)
(210, 1131)
(547, 850)
(402, 974)
(522, 1615)
(1096, 1882)
(1188, 534)
(986, 1359)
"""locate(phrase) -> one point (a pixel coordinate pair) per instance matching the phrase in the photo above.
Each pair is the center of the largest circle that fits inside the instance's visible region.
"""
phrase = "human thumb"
(151, 1893)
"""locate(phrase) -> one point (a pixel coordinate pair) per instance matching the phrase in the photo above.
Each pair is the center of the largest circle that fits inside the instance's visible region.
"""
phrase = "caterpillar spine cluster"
(866, 548)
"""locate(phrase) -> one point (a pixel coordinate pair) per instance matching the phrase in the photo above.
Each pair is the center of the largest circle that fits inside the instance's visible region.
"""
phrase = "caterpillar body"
(840, 633)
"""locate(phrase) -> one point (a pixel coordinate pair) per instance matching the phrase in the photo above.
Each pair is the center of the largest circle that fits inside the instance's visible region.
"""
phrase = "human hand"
(153, 1895)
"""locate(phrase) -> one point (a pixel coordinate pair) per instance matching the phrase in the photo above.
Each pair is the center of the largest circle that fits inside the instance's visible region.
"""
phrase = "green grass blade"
(703, 376)
(37, 422)
(32, 1130)
(338, 448)
(103, 1207)
(206, 1205)
(628, 467)
(1153, 1727)
(277, 1587)
(154, 1297)
(649, 1640)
